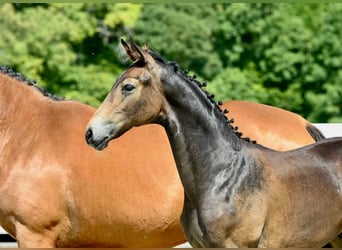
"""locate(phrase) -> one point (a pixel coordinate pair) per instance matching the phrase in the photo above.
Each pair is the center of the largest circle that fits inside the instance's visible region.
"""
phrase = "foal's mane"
(20, 77)
(192, 79)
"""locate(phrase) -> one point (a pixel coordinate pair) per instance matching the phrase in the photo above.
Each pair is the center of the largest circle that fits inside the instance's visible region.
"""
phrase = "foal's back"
(313, 172)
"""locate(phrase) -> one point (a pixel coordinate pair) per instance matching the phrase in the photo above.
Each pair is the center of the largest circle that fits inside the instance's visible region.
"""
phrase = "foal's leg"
(337, 242)
(28, 238)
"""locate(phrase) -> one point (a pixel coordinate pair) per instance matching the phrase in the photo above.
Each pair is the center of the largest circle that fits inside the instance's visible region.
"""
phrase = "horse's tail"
(315, 133)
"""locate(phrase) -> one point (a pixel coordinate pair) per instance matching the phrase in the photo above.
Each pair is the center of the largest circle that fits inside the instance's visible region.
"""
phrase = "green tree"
(181, 32)
(324, 76)
(68, 48)
(282, 45)
(286, 55)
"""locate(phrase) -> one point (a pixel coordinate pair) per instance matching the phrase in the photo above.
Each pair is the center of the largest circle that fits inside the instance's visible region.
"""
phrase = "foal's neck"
(203, 145)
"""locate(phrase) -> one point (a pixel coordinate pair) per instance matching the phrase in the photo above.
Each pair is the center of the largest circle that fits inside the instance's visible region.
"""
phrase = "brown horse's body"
(271, 126)
(237, 193)
(57, 191)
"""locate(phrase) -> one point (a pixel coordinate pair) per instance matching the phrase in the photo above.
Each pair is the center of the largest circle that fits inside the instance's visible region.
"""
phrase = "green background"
(286, 55)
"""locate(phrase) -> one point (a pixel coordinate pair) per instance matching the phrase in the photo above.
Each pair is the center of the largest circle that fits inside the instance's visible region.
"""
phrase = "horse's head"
(135, 99)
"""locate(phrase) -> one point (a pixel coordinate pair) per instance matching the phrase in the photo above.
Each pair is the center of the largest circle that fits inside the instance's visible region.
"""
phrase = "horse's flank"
(271, 126)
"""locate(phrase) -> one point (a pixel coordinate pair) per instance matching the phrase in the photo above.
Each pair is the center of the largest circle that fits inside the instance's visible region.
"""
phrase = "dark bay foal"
(237, 193)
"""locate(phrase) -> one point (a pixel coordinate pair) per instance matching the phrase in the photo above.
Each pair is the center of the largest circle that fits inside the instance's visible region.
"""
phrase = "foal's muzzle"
(98, 144)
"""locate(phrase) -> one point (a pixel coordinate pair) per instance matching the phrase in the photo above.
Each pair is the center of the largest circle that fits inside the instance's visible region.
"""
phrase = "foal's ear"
(133, 51)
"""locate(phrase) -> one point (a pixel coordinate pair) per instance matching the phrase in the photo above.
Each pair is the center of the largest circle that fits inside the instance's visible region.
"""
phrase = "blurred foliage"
(181, 33)
(286, 55)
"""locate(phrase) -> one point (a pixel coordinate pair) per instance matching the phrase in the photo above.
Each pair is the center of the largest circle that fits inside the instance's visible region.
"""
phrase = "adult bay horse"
(56, 191)
(237, 193)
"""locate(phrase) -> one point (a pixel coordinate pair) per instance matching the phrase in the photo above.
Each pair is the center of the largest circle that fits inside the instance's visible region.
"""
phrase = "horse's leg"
(28, 238)
(337, 242)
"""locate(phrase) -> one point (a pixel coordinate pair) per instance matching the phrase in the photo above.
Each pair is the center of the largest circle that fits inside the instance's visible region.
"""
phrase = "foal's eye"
(128, 87)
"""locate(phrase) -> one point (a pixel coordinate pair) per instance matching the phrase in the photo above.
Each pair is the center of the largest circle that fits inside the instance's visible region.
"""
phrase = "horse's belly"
(115, 232)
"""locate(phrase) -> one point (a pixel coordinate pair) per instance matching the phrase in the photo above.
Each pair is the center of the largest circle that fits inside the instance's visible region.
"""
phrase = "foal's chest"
(207, 225)
(219, 224)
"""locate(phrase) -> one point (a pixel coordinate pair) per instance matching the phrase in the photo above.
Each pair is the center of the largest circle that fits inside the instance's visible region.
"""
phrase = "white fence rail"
(328, 130)
(5, 240)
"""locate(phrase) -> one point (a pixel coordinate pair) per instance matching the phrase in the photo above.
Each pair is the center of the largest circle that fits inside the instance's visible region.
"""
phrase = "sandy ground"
(14, 245)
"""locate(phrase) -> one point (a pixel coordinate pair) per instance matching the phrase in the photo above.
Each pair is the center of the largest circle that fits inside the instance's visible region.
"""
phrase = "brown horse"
(57, 192)
(237, 193)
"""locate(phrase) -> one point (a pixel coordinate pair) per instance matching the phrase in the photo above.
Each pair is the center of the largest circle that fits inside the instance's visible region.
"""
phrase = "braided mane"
(217, 104)
(20, 77)
(202, 86)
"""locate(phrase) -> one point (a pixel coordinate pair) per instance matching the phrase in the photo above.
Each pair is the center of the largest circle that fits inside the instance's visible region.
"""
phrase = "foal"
(237, 193)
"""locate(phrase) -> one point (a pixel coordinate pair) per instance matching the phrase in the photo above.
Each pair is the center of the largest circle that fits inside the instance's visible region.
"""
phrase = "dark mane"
(192, 79)
(156, 56)
(20, 77)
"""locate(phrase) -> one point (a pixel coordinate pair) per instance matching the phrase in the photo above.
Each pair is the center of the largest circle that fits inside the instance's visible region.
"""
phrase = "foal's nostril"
(89, 135)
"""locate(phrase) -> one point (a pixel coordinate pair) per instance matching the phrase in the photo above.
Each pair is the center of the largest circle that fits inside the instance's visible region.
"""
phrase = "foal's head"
(135, 99)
